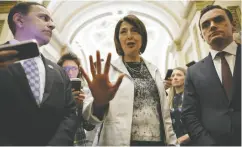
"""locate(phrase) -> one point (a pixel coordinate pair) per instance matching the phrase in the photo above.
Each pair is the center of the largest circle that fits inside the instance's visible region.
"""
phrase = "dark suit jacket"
(211, 119)
(23, 122)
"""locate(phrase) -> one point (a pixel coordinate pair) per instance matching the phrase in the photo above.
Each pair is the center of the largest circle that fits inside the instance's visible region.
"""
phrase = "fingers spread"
(85, 76)
(92, 67)
(119, 81)
(107, 64)
(99, 67)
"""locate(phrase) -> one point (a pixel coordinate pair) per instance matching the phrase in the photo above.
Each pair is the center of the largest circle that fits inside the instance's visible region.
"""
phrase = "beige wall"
(189, 47)
(194, 47)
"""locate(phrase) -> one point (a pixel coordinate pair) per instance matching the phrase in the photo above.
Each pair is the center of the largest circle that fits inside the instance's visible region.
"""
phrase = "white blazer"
(117, 121)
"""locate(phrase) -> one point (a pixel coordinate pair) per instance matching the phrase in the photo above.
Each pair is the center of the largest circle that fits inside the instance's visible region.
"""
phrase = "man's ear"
(18, 20)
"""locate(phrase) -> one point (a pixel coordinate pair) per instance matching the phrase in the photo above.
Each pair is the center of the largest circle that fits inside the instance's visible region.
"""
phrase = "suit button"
(231, 110)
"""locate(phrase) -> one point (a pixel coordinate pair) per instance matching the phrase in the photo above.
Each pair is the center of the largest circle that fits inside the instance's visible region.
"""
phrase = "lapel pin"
(50, 66)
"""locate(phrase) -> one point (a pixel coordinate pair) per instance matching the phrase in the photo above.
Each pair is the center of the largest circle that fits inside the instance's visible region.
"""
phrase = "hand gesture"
(4, 54)
(102, 89)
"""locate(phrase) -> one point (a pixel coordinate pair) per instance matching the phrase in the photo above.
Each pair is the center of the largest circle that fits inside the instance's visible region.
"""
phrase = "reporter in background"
(71, 63)
(175, 98)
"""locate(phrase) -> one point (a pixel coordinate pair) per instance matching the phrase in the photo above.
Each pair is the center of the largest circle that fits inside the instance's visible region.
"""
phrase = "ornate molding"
(177, 44)
(1, 26)
(46, 3)
(201, 4)
(196, 41)
(236, 13)
(5, 6)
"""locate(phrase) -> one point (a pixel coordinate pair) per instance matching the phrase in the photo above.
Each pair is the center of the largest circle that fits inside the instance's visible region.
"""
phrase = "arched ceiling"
(89, 25)
(170, 14)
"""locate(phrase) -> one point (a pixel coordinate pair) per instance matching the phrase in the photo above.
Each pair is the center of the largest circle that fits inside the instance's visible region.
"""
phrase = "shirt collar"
(231, 49)
(14, 41)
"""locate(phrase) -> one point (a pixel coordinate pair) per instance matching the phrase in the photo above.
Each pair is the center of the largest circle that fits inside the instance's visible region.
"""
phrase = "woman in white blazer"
(133, 109)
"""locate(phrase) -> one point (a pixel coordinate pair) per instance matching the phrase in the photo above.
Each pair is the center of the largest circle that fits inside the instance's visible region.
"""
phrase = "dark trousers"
(147, 143)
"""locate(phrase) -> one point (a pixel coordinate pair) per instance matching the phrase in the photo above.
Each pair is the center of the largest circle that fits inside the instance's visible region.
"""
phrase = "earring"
(19, 25)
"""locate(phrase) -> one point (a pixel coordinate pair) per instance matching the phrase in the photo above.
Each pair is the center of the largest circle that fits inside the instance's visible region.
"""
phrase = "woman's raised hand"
(102, 89)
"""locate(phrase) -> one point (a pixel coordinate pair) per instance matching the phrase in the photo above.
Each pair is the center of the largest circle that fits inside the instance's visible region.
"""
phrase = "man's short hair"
(23, 8)
(211, 7)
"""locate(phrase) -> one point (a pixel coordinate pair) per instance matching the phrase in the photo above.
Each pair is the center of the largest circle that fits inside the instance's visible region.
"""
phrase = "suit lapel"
(20, 77)
(213, 76)
(49, 78)
(237, 72)
(18, 73)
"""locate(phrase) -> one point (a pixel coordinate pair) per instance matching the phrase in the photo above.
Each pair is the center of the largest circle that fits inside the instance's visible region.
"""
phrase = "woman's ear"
(18, 20)
(202, 36)
(234, 26)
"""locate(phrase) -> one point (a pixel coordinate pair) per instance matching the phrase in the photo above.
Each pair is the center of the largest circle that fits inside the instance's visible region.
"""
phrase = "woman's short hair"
(135, 21)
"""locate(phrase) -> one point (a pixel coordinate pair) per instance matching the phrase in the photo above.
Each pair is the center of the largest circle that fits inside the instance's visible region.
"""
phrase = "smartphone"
(190, 63)
(26, 49)
(168, 73)
(76, 84)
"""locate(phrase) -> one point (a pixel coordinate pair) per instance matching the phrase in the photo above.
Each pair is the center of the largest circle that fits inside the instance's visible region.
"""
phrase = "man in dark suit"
(212, 98)
(36, 105)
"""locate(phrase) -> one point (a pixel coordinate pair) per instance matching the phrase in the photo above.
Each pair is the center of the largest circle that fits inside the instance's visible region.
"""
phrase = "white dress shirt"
(41, 68)
(231, 49)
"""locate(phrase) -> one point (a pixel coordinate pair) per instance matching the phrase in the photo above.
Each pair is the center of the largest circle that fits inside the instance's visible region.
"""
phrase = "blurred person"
(37, 107)
(133, 109)
(212, 99)
(175, 98)
(71, 64)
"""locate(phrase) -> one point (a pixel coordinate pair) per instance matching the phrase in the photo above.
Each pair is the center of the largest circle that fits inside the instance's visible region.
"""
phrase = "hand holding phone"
(24, 50)
(76, 84)
(168, 74)
(77, 93)
(167, 84)
(7, 54)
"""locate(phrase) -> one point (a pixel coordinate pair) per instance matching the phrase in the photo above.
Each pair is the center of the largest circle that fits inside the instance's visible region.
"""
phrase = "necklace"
(133, 69)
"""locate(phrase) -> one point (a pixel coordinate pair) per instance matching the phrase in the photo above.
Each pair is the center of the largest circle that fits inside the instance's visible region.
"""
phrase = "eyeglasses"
(68, 68)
